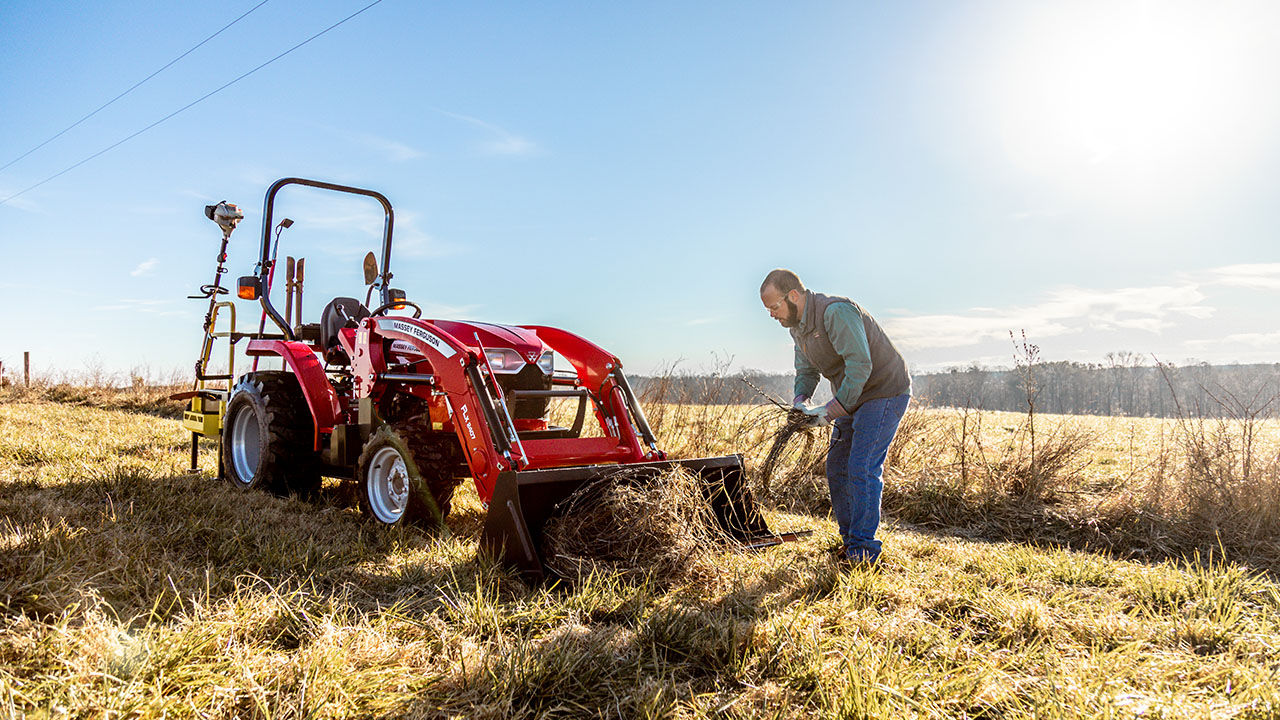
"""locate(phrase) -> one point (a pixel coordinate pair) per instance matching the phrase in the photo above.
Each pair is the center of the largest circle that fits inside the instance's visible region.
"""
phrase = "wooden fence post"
(26, 368)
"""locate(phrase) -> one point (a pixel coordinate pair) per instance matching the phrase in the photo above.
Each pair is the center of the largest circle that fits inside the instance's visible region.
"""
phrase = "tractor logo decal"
(419, 333)
(533, 356)
(404, 346)
(466, 418)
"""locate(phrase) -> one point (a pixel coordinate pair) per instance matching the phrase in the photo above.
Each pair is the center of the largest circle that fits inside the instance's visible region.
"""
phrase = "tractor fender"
(449, 359)
(316, 388)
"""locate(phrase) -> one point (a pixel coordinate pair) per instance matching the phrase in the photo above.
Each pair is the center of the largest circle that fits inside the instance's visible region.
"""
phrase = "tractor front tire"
(405, 476)
(267, 436)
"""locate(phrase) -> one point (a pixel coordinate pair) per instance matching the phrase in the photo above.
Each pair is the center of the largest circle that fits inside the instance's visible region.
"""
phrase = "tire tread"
(288, 464)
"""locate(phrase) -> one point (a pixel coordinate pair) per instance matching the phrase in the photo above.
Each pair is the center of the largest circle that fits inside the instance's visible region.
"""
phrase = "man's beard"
(793, 314)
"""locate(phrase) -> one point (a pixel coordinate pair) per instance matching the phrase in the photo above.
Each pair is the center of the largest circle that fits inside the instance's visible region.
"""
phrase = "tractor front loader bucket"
(524, 501)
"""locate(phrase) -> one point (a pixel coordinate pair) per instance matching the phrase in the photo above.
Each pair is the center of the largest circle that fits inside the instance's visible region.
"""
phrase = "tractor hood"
(525, 342)
(509, 349)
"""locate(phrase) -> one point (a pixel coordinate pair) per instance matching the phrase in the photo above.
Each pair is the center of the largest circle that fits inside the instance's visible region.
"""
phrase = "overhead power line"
(135, 86)
(186, 107)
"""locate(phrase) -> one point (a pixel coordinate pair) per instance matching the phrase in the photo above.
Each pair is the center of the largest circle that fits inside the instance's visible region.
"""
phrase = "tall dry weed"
(689, 423)
(1037, 469)
(951, 453)
(139, 390)
(1217, 483)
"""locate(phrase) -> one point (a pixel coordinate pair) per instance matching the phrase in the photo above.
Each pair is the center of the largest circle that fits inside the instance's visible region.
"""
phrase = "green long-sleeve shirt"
(848, 335)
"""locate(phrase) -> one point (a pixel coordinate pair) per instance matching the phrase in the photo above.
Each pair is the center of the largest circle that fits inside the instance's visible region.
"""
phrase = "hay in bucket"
(660, 528)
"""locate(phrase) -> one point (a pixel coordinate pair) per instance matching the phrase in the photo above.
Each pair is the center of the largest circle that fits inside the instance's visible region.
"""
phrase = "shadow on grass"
(141, 546)
(665, 648)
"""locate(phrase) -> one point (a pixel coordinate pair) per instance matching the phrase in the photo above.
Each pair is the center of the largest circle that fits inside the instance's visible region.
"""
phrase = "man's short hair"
(783, 280)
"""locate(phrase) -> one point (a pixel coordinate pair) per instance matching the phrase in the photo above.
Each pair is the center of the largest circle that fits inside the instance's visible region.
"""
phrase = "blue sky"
(1101, 175)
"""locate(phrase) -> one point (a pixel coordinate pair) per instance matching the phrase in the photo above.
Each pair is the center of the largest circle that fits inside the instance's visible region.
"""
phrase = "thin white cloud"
(197, 195)
(983, 361)
(1066, 311)
(145, 267)
(393, 150)
(24, 202)
(948, 331)
(158, 210)
(701, 321)
(348, 227)
(1256, 340)
(510, 145)
(504, 142)
(1023, 215)
(1259, 276)
(332, 213)
(412, 241)
(368, 224)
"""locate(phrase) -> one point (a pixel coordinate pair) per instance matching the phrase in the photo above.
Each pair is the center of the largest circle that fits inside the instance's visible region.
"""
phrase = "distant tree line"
(1122, 385)
(717, 389)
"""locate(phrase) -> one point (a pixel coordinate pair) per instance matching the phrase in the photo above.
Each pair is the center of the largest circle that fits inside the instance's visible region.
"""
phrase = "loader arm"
(454, 373)
(601, 371)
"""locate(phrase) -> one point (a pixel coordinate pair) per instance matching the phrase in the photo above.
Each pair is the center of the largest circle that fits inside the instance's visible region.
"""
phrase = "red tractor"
(409, 407)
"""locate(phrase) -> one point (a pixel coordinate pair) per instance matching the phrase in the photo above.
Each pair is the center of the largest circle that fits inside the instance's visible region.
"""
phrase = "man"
(836, 338)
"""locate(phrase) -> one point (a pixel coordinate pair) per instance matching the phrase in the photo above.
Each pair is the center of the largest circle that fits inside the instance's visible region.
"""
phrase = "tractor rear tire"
(405, 475)
(267, 436)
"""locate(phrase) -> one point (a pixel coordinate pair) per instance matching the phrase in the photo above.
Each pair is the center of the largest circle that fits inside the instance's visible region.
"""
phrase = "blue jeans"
(855, 462)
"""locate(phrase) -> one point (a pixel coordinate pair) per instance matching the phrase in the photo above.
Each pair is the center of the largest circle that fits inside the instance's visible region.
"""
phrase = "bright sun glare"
(1136, 100)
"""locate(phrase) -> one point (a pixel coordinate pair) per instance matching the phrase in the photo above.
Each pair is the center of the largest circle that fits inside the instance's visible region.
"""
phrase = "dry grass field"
(1123, 569)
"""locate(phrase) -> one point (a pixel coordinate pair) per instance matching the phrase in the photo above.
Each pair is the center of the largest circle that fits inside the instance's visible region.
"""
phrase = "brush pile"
(660, 528)
(793, 475)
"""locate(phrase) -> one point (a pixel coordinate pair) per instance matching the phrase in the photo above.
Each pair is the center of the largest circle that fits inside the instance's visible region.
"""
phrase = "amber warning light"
(249, 287)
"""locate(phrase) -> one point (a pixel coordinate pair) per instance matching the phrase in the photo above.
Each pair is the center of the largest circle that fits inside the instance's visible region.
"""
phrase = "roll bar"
(264, 266)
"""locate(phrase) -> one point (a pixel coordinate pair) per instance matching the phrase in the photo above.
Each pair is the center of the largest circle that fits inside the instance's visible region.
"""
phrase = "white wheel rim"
(388, 485)
(245, 441)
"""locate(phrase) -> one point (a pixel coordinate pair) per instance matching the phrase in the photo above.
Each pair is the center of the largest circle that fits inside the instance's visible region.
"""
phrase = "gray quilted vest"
(889, 375)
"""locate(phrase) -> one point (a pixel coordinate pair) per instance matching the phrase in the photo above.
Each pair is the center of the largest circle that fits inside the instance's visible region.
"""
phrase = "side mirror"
(249, 287)
(370, 269)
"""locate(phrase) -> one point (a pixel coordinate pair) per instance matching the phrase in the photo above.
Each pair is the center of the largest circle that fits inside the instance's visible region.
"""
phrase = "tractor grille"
(530, 378)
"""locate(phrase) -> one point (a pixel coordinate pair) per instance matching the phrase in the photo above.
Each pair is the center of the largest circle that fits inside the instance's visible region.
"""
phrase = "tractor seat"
(343, 312)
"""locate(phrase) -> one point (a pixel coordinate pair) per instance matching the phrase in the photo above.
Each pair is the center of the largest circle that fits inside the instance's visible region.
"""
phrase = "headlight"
(547, 362)
(503, 359)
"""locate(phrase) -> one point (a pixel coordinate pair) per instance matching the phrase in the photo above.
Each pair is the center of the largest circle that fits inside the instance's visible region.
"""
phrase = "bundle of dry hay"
(793, 475)
(661, 528)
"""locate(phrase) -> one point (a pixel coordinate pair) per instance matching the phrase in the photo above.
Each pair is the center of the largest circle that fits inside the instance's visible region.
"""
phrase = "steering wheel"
(417, 311)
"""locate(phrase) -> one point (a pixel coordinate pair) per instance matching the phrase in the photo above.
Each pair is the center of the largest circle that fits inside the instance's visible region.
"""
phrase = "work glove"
(817, 416)
(798, 403)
